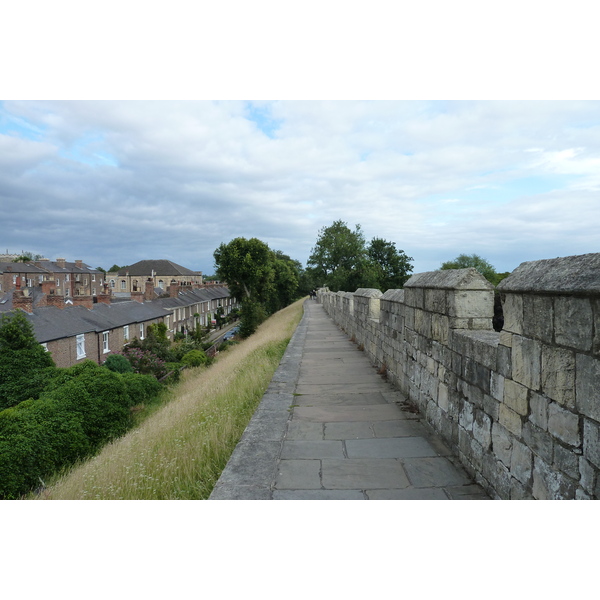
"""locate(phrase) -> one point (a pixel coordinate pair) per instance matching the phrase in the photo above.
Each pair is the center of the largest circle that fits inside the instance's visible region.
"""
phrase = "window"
(93, 278)
(161, 284)
(93, 291)
(67, 277)
(141, 331)
(126, 333)
(45, 346)
(112, 283)
(80, 346)
(123, 284)
(105, 348)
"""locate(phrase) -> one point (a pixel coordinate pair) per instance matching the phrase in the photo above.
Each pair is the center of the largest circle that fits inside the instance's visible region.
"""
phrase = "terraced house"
(79, 323)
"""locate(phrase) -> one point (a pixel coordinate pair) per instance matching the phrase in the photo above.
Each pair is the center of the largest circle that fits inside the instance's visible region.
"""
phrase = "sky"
(121, 181)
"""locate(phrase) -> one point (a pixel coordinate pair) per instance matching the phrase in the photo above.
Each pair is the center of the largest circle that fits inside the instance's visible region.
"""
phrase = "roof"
(161, 268)
(51, 323)
(20, 267)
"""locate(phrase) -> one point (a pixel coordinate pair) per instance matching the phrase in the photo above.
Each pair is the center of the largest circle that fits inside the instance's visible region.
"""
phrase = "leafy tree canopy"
(263, 280)
(465, 261)
(342, 260)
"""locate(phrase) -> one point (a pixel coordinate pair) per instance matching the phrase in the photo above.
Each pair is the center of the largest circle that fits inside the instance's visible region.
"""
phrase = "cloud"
(115, 182)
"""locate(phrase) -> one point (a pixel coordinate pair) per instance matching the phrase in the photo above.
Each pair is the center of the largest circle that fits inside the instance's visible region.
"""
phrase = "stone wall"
(521, 408)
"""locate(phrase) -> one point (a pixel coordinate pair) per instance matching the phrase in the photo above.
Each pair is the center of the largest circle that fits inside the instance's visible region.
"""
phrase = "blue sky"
(120, 181)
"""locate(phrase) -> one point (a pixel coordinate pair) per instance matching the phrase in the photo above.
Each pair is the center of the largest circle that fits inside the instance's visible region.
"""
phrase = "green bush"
(118, 363)
(194, 358)
(140, 388)
(25, 367)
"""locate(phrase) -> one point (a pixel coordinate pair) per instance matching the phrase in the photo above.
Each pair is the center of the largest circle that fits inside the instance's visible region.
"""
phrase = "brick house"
(162, 273)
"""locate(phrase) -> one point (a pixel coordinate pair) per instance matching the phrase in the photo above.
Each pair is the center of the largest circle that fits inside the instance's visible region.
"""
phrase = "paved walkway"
(330, 428)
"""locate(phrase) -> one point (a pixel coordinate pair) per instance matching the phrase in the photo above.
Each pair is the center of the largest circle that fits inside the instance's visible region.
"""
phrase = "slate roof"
(161, 268)
(187, 297)
(21, 267)
(51, 323)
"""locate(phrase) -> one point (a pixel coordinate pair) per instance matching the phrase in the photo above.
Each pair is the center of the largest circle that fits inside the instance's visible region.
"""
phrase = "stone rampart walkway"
(330, 428)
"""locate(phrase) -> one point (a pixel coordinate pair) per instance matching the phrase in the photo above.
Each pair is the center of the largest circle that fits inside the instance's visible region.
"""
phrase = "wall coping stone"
(450, 279)
(368, 293)
(568, 274)
(397, 295)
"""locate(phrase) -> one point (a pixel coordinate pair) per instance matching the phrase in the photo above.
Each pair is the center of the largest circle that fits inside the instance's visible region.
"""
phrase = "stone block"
(573, 320)
(588, 475)
(435, 301)
(466, 416)
(587, 390)
(502, 443)
(521, 462)
(563, 425)
(440, 326)
(515, 397)
(558, 375)
(538, 314)
(504, 361)
(591, 442)
(566, 461)
(526, 362)
(510, 419)
(491, 407)
(512, 307)
(482, 429)
(471, 304)
(539, 441)
(443, 397)
(505, 338)
(539, 410)
(549, 484)
(497, 386)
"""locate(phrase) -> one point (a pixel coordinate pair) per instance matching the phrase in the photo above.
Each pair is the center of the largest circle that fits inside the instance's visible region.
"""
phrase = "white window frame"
(141, 331)
(80, 339)
(123, 284)
(126, 333)
(105, 348)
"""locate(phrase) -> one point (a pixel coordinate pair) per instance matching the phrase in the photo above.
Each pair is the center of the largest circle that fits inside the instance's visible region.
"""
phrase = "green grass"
(180, 451)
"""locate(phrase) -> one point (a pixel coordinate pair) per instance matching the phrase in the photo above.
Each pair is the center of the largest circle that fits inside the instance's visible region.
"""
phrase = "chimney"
(173, 289)
(85, 301)
(79, 263)
(23, 301)
(55, 300)
(137, 296)
(48, 286)
(61, 262)
(149, 290)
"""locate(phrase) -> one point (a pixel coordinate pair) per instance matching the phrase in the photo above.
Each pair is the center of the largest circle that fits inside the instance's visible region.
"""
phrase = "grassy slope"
(180, 451)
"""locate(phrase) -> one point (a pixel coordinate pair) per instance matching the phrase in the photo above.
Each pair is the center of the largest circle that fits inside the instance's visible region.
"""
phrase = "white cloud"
(121, 181)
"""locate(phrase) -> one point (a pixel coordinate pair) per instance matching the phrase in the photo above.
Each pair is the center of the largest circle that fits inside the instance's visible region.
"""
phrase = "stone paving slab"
(330, 428)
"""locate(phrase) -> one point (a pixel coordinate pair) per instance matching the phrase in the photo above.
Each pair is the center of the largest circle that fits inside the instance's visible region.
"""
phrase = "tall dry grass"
(180, 451)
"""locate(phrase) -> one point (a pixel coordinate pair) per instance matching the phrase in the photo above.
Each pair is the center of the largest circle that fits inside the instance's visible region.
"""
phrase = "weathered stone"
(588, 386)
(566, 461)
(539, 441)
(549, 484)
(497, 386)
(515, 397)
(538, 315)
(588, 475)
(513, 313)
(526, 361)
(466, 416)
(502, 443)
(504, 362)
(563, 425)
(573, 322)
(521, 462)
(482, 429)
(539, 410)
(510, 419)
(558, 375)
(591, 442)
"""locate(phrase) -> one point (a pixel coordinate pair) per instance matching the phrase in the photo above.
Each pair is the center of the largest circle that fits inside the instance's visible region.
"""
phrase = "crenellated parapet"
(520, 407)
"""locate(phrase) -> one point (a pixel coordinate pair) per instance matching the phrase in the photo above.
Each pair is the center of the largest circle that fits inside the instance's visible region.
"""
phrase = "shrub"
(145, 362)
(25, 367)
(194, 358)
(118, 363)
(140, 388)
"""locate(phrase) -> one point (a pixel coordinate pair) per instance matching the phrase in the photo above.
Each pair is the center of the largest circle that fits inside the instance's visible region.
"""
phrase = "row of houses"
(75, 327)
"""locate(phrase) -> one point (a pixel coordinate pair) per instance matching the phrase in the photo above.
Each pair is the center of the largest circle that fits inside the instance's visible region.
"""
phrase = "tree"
(262, 280)
(341, 260)
(338, 259)
(391, 266)
(25, 367)
(465, 261)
